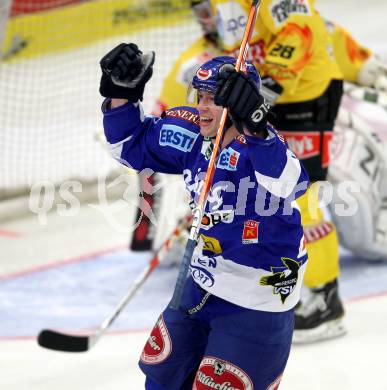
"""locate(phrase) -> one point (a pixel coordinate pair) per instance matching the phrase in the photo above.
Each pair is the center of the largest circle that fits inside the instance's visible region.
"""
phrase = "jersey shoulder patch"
(241, 139)
(180, 128)
(187, 114)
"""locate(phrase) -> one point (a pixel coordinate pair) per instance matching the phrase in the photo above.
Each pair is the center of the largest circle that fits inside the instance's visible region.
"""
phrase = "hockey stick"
(199, 210)
(144, 234)
(58, 341)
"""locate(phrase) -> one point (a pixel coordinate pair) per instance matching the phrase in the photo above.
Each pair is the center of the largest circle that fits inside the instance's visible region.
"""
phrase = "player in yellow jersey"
(349, 54)
(358, 64)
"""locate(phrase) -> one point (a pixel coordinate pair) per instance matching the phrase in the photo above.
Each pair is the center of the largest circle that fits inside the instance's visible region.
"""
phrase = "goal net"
(50, 118)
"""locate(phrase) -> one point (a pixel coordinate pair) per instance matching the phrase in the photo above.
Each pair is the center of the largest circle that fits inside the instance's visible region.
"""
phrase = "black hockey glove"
(125, 71)
(240, 94)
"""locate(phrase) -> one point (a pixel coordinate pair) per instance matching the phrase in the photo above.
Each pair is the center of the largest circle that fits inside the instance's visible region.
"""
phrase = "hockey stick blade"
(57, 341)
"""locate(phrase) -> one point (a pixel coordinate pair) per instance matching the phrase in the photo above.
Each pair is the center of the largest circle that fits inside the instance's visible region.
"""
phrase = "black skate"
(320, 317)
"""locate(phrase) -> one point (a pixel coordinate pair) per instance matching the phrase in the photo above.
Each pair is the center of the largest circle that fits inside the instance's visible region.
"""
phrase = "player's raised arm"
(140, 141)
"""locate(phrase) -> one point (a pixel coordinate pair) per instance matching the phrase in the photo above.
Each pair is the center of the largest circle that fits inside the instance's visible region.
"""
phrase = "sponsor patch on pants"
(214, 373)
(159, 344)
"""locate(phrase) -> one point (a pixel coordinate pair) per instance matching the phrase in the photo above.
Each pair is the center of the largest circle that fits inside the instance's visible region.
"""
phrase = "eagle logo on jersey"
(284, 281)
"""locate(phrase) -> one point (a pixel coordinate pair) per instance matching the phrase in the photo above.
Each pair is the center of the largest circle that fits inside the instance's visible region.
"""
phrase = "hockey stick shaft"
(71, 343)
(154, 262)
(199, 210)
(144, 235)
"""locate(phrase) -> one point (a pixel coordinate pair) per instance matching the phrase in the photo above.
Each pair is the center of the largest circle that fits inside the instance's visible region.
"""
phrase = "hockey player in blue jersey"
(234, 327)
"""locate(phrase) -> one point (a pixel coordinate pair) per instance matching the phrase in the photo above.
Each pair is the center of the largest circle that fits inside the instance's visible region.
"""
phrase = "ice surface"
(78, 293)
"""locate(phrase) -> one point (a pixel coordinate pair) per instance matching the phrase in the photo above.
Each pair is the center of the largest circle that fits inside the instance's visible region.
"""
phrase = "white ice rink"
(355, 362)
(70, 273)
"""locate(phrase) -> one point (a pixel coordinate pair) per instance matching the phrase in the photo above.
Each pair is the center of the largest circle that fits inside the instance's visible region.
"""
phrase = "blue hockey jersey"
(251, 249)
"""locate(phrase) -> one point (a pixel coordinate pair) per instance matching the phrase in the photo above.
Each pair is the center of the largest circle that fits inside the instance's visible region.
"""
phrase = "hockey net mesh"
(50, 118)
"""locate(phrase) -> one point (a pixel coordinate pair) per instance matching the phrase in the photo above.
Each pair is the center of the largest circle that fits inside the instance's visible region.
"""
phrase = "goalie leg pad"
(362, 160)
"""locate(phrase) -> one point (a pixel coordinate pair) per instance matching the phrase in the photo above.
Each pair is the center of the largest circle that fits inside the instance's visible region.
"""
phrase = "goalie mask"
(206, 18)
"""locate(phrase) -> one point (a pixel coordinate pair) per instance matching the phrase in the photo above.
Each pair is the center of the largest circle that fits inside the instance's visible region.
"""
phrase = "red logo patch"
(306, 144)
(214, 373)
(241, 139)
(159, 344)
(250, 232)
(233, 159)
(203, 74)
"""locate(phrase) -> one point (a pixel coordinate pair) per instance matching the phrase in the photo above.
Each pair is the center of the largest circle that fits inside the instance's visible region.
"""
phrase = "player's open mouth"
(204, 121)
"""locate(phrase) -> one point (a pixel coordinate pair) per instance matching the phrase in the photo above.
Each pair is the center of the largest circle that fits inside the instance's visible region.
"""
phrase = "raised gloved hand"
(125, 71)
(240, 94)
